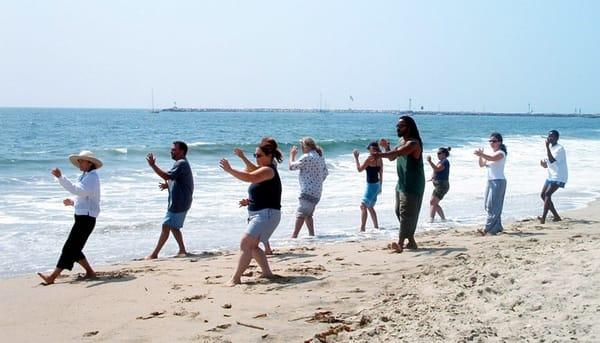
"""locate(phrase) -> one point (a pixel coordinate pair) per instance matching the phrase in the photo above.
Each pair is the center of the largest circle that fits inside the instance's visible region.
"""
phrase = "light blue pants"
(494, 200)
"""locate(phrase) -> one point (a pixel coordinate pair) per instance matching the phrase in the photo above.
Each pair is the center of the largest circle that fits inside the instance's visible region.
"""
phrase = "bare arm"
(257, 176)
(249, 165)
(408, 148)
(436, 167)
(359, 167)
(152, 163)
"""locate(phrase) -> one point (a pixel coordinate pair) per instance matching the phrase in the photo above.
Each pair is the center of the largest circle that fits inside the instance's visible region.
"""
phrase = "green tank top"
(411, 177)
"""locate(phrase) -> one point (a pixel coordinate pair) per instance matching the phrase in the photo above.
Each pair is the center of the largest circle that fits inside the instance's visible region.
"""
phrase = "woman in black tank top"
(374, 168)
(264, 203)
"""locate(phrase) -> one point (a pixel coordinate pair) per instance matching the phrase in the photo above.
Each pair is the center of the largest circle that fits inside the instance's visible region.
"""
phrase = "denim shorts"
(174, 220)
(262, 223)
(370, 196)
(557, 183)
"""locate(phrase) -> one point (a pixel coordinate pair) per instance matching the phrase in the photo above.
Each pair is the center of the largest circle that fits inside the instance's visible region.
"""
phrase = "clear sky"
(447, 55)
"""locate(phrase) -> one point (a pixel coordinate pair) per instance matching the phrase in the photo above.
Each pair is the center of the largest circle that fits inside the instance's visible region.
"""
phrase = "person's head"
(443, 152)
(407, 128)
(553, 136)
(308, 144)
(179, 150)
(373, 147)
(86, 161)
(267, 152)
(496, 142)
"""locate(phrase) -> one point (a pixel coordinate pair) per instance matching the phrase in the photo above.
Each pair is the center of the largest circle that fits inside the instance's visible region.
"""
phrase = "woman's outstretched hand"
(68, 202)
(238, 152)
(244, 202)
(56, 172)
(224, 164)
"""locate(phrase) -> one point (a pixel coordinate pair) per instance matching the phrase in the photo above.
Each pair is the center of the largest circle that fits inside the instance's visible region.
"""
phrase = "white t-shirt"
(557, 171)
(495, 169)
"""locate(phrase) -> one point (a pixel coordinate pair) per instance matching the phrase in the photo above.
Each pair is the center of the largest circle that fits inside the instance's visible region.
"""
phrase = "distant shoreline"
(324, 111)
(398, 112)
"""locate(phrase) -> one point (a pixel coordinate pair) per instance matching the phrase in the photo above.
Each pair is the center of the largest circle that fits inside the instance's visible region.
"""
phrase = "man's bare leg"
(164, 235)
(179, 238)
(310, 225)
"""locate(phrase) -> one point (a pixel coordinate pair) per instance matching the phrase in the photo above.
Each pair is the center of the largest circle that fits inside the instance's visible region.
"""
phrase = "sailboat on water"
(153, 110)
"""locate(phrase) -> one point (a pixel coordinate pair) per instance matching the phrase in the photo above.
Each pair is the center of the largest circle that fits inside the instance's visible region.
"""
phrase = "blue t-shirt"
(444, 174)
(182, 188)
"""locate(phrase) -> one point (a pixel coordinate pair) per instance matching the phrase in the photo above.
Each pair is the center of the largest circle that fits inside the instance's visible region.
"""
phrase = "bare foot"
(151, 257)
(48, 280)
(481, 232)
(269, 252)
(556, 219)
(182, 254)
(395, 247)
(542, 220)
(232, 283)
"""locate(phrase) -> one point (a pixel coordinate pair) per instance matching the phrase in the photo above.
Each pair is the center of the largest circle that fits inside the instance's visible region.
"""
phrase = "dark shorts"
(440, 188)
(556, 183)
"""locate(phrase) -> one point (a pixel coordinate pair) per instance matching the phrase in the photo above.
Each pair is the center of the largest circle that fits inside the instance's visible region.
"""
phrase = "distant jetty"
(395, 112)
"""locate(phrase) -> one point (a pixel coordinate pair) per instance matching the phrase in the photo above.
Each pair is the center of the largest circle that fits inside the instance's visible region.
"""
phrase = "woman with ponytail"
(496, 185)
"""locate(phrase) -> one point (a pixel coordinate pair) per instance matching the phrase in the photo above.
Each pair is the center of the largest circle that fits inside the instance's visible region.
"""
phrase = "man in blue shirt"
(180, 183)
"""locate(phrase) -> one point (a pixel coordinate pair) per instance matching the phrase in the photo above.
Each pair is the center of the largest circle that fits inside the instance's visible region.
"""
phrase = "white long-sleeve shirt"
(87, 191)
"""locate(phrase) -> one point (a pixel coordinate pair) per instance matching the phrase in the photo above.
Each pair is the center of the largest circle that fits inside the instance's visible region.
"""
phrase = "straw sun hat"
(85, 155)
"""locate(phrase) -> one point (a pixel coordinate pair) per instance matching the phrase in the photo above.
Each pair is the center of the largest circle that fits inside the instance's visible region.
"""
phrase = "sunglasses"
(258, 155)
(493, 141)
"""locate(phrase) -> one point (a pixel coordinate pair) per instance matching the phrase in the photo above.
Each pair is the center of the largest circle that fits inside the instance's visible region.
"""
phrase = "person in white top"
(556, 163)
(496, 185)
(87, 207)
(313, 172)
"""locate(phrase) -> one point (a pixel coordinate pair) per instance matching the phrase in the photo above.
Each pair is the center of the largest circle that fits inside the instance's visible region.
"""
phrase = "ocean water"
(34, 224)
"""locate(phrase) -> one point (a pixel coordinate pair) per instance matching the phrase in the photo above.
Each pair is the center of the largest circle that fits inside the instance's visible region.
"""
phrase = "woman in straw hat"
(87, 208)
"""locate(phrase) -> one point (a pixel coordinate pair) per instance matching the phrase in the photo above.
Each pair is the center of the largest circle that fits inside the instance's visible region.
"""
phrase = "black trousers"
(72, 250)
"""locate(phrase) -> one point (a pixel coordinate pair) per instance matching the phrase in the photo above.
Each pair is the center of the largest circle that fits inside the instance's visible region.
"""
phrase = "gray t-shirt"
(182, 188)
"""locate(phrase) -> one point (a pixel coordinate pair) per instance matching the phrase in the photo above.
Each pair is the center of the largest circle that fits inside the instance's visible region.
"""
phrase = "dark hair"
(268, 145)
(412, 129)
(554, 132)
(310, 143)
(375, 145)
(444, 150)
(181, 145)
(498, 136)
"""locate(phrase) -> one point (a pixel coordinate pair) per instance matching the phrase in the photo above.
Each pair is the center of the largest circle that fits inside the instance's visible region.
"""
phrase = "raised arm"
(408, 148)
(152, 163)
(250, 167)
(359, 167)
(436, 167)
(85, 187)
(257, 176)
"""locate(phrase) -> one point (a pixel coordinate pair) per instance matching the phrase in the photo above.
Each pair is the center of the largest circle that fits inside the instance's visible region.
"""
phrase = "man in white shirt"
(556, 164)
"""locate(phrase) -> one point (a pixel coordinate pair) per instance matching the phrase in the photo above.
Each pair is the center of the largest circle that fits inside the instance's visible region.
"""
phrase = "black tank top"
(266, 194)
(373, 174)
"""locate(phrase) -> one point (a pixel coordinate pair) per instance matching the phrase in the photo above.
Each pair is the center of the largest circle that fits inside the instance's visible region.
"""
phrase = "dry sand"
(531, 283)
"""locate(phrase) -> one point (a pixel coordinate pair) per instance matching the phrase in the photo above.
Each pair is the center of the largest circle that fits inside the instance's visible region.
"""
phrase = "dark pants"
(72, 250)
(407, 211)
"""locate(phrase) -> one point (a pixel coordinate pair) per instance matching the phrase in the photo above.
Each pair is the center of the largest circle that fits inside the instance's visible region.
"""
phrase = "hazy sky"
(451, 55)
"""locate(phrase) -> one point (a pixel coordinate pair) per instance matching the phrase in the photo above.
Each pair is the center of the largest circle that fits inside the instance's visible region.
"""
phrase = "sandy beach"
(532, 283)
